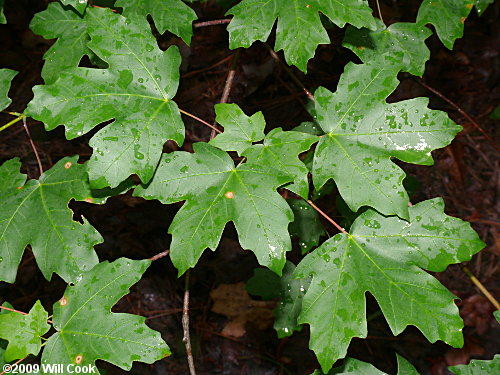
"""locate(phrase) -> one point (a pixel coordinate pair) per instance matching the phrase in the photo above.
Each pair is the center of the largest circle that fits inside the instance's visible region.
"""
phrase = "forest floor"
(466, 174)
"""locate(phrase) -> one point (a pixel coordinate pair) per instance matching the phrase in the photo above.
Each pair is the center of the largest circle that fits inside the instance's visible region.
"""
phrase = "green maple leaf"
(363, 133)
(306, 225)
(481, 5)
(6, 76)
(23, 332)
(478, 367)
(79, 5)
(215, 193)
(447, 16)
(280, 150)
(172, 15)
(240, 130)
(299, 29)
(357, 367)
(135, 91)
(37, 213)
(86, 328)
(385, 256)
(70, 29)
(406, 40)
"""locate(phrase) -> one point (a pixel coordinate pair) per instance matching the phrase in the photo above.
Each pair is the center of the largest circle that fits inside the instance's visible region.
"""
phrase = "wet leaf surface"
(135, 91)
(385, 256)
(363, 133)
(23, 332)
(86, 328)
(215, 193)
(36, 213)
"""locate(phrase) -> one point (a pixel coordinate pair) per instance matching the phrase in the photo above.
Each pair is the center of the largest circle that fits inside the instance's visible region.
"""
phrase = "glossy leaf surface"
(37, 214)
(290, 291)
(215, 193)
(306, 225)
(447, 16)
(281, 150)
(363, 132)
(86, 328)
(70, 29)
(385, 256)
(23, 332)
(481, 5)
(240, 130)
(299, 29)
(172, 15)
(402, 41)
(79, 5)
(6, 76)
(135, 91)
(478, 367)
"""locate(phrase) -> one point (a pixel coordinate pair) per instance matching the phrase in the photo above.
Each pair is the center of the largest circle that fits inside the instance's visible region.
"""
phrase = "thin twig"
(199, 119)
(16, 311)
(19, 312)
(290, 73)
(228, 84)
(7, 368)
(185, 325)
(481, 287)
(212, 23)
(159, 255)
(379, 12)
(197, 71)
(10, 123)
(327, 217)
(459, 109)
(33, 146)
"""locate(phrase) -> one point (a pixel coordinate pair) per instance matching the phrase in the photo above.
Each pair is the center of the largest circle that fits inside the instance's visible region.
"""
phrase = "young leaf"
(299, 30)
(6, 76)
(71, 29)
(23, 332)
(403, 41)
(173, 15)
(385, 256)
(281, 150)
(363, 133)
(292, 292)
(240, 130)
(268, 285)
(481, 5)
(478, 367)
(135, 91)
(306, 225)
(86, 328)
(357, 367)
(79, 5)
(37, 213)
(215, 193)
(447, 16)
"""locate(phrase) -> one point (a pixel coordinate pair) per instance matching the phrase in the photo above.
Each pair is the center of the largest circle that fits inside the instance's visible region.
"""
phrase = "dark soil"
(466, 174)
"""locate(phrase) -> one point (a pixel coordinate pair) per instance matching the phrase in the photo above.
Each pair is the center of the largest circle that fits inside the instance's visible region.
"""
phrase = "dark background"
(465, 174)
